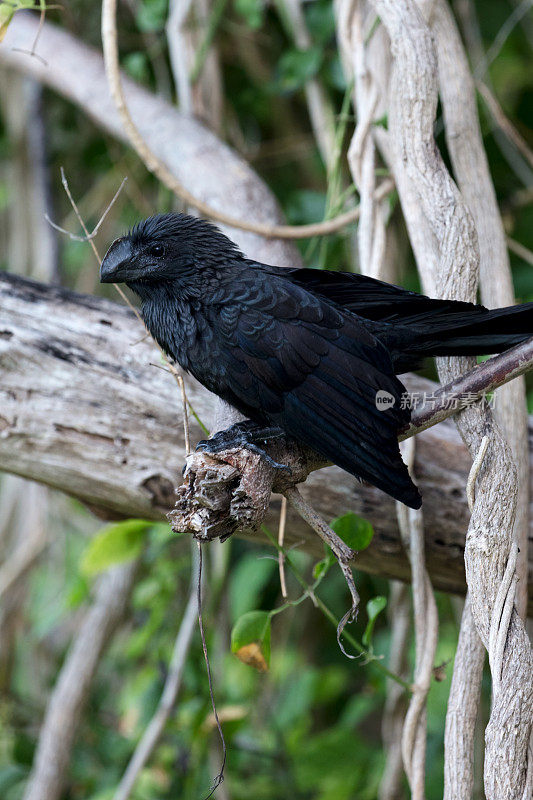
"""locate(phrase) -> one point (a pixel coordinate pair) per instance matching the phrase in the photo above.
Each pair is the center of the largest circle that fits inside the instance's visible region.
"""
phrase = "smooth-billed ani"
(306, 351)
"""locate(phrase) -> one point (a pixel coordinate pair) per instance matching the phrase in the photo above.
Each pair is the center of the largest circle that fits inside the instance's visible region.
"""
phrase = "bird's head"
(165, 248)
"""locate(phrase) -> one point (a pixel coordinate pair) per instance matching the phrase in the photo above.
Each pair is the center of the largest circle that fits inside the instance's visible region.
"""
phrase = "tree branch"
(83, 410)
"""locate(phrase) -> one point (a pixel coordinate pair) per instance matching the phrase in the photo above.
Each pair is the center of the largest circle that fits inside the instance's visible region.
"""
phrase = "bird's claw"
(245, 436)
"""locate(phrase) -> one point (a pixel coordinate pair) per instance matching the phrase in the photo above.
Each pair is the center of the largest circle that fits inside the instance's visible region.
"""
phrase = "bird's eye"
(157, 250)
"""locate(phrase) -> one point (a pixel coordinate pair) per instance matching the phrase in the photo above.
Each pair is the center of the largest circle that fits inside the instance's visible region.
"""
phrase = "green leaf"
(247, 581)
(296, 67)
(78, 592)
(354, 531)
(136, 65)
(319, 568)
(253, 12)
(151, 15)
(6, 15)
(382, 122)
(250, 639)
(10, 776)
(374, 607)
(320, 20)
(121, 541)
(322, 566)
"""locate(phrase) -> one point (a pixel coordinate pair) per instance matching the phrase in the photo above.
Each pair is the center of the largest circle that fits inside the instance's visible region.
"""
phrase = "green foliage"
(250, 639)
(151, 15)
(136, 65)
(374, 607)
(114, 544)
(248, 582)
(7, 10)
(6, 15)
(354, 531)
(320, 19)
(253, 11)
(296, 67)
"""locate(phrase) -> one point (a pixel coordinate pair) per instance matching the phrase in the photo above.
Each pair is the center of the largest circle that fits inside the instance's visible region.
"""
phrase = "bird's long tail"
(458, 329)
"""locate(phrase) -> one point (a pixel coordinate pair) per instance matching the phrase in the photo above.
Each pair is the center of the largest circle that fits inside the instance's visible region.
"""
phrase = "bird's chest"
(186, 332)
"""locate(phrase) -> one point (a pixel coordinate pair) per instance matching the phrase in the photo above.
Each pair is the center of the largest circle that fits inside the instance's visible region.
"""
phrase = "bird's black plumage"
(300, 349)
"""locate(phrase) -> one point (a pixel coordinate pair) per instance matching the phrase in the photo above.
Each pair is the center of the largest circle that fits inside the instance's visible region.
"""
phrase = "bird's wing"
(315, 371)
(376, 300)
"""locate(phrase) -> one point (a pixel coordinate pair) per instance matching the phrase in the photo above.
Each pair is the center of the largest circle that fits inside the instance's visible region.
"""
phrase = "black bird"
(302, 350)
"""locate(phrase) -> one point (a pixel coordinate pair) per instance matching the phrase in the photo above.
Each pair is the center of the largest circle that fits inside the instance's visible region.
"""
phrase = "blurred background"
(310, 727)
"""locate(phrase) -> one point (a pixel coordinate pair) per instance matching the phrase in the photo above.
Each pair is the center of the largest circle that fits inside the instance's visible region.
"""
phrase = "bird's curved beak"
(116, 266)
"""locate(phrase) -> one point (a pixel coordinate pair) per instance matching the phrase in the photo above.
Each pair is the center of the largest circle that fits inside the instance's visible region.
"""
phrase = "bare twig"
(342, 552)
(89, 239)
(501, 618)
(501, 37)
(518, 249)
(95, 230)
(190, 30)
(281, 541)
(220, 777)
(503, 122)
(474, 472)
(470, 387)
(354, 25)
(156, 726)
(177, 14)
(42, 16)
(467, 15)
(20, 561)
(179, 380)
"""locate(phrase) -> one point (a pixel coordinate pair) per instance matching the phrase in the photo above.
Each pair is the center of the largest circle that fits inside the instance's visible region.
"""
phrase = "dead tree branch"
(83, 411)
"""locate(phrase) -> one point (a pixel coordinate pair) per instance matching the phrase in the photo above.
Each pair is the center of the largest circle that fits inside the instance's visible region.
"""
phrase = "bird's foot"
(248, 435)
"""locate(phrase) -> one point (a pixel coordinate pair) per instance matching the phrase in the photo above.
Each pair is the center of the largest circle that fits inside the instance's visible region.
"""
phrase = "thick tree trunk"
(85, 409)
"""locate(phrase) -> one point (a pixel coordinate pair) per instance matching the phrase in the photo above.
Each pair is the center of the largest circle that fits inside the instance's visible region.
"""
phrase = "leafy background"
(309, 727)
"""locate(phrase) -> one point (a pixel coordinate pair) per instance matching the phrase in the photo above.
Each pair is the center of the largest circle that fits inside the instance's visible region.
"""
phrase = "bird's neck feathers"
(166, 291)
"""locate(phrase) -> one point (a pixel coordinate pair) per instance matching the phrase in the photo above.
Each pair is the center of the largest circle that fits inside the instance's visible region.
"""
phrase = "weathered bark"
(490, 554)
(82, 409)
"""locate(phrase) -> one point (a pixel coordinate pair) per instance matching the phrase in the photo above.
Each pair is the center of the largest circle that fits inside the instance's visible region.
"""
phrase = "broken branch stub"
(230, 490)
(222, 493)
